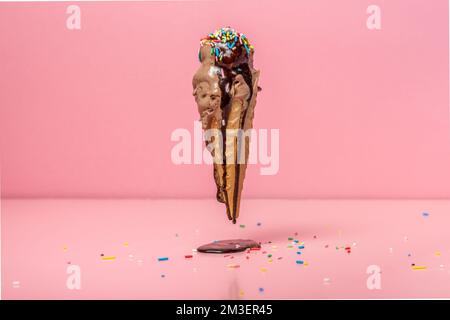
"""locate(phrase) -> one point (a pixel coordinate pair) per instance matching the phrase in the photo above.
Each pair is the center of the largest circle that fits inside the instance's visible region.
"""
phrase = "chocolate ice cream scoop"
(225, 89)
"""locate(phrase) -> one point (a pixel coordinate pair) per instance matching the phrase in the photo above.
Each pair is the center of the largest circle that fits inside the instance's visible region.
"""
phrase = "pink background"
(89, 113)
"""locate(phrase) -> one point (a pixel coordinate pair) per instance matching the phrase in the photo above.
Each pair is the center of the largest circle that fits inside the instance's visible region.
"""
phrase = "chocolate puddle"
(228, 246)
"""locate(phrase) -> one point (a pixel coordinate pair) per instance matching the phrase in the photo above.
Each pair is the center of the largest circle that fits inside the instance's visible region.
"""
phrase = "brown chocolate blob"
(228, 246)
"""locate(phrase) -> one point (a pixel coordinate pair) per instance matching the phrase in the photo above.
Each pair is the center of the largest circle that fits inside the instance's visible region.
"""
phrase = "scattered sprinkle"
(233, 266)
(418, 267)
(188, 256)
(109, 258)
(261, 290)
(299, 262)
(163, 259)
(242, 225)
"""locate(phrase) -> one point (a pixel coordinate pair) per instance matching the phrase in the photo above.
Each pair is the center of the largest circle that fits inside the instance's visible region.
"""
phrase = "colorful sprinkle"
(109, 258)
(163, 259)
(418, 267)
(225, 39)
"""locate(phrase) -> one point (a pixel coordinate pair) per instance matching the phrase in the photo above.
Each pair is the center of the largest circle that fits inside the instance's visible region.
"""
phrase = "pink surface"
(89, 113)
(34, 233)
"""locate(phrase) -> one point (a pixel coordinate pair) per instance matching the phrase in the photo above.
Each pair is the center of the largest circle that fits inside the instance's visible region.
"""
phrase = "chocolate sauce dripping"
(224, 81)
(224, 103)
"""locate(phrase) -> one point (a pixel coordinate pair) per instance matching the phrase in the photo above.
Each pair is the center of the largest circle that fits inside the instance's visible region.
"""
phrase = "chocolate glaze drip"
(225, 82)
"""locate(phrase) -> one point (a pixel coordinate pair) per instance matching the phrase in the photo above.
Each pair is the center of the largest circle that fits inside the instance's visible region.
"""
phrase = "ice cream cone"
(227, 72)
